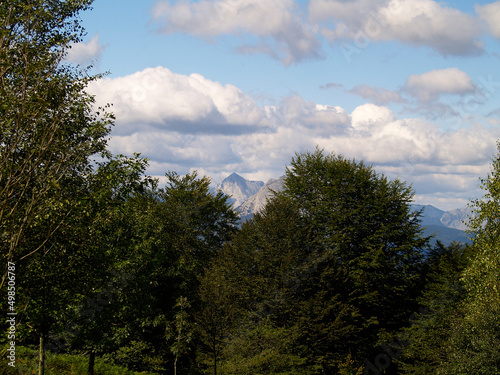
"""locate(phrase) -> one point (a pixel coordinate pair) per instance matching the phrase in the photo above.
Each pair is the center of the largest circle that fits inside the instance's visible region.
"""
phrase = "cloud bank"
(291, 33)
(190, 122)
(414, 22)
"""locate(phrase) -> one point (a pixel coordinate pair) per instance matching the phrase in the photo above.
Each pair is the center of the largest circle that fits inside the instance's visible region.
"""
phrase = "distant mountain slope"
(430, 215)
(257, 201)
(239, 189)
(446, 235)
(457, 218)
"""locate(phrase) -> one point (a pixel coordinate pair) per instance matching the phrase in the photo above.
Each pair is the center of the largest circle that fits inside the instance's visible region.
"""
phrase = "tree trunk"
(41, 357)
(175, 365)
(91, 361)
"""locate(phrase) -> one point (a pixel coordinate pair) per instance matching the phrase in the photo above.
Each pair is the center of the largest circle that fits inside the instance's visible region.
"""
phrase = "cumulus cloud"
(189, 122)
(415, 22)
(428, 93)
(278, 24)
(85, 53)
(185, 104)
(491, 14)
(430, 85)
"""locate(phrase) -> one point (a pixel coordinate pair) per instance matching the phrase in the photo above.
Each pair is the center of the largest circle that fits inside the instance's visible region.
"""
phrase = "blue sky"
(222, 86)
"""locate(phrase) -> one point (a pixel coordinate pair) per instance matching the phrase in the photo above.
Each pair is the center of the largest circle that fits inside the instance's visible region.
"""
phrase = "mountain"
(249, 197)
(430, 214)
(257, 201)
(239, 189)
(446, 226)
(446, 235)
(457, 218)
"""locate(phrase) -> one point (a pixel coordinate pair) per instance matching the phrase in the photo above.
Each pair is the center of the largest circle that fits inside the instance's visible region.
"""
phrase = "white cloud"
(285, 33)
(189, 122)
(186, 104)
(415, 22)
(430, 85)
(491, 14)
(85, 53)
(367, 116)
(292, 40)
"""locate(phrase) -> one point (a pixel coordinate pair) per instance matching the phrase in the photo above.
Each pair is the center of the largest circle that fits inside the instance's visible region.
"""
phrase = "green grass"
(59, 364)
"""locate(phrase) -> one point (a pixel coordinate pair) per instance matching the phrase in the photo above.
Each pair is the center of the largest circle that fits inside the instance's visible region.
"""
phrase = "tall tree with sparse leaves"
(50, 136)
(474, 343)
(49, 128)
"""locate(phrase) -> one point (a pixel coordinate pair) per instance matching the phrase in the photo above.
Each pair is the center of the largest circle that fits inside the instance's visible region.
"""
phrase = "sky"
(411, 87)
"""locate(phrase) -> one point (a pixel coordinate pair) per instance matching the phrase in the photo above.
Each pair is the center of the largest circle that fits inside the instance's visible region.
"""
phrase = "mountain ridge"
(249, 197)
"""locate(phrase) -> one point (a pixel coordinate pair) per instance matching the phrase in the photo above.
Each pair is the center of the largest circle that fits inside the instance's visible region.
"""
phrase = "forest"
(99, 261)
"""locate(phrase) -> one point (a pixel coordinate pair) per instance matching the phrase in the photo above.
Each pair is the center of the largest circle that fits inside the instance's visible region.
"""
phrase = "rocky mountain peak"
(238, 188)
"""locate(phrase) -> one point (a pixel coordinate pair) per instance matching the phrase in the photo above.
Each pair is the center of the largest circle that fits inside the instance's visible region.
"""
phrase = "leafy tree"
(48, 126)
(77, 262)
(371, 253)
(263, 348)
(329, 268)
(107, 237)
(474, 339)
(50, 133)
(182, 227)
(216, 316)
(180, 331)
(249, 294)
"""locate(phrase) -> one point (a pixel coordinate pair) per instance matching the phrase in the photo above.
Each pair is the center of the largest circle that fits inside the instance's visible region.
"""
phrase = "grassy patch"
(60, 364)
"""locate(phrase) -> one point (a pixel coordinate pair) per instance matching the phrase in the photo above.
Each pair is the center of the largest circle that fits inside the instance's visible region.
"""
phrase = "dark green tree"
(183, 226)
(371, 247)
(249, 294)
(429, 332)
(49, 133)
(216, 316)
(79, 260)
(332, 266)
(107, 237)
(180, 331)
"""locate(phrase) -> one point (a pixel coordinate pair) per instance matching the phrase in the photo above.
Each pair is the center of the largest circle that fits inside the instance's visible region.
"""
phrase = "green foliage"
(216, 316)
(349, 367)
(258, 274)
(460, 330)
(429, 332)
(27, 363)
(180, 331)
(371, 252)
(474, 342)
(59, 208)
(327, 267)
(263, 348)
(48, 127)
(178, 230)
